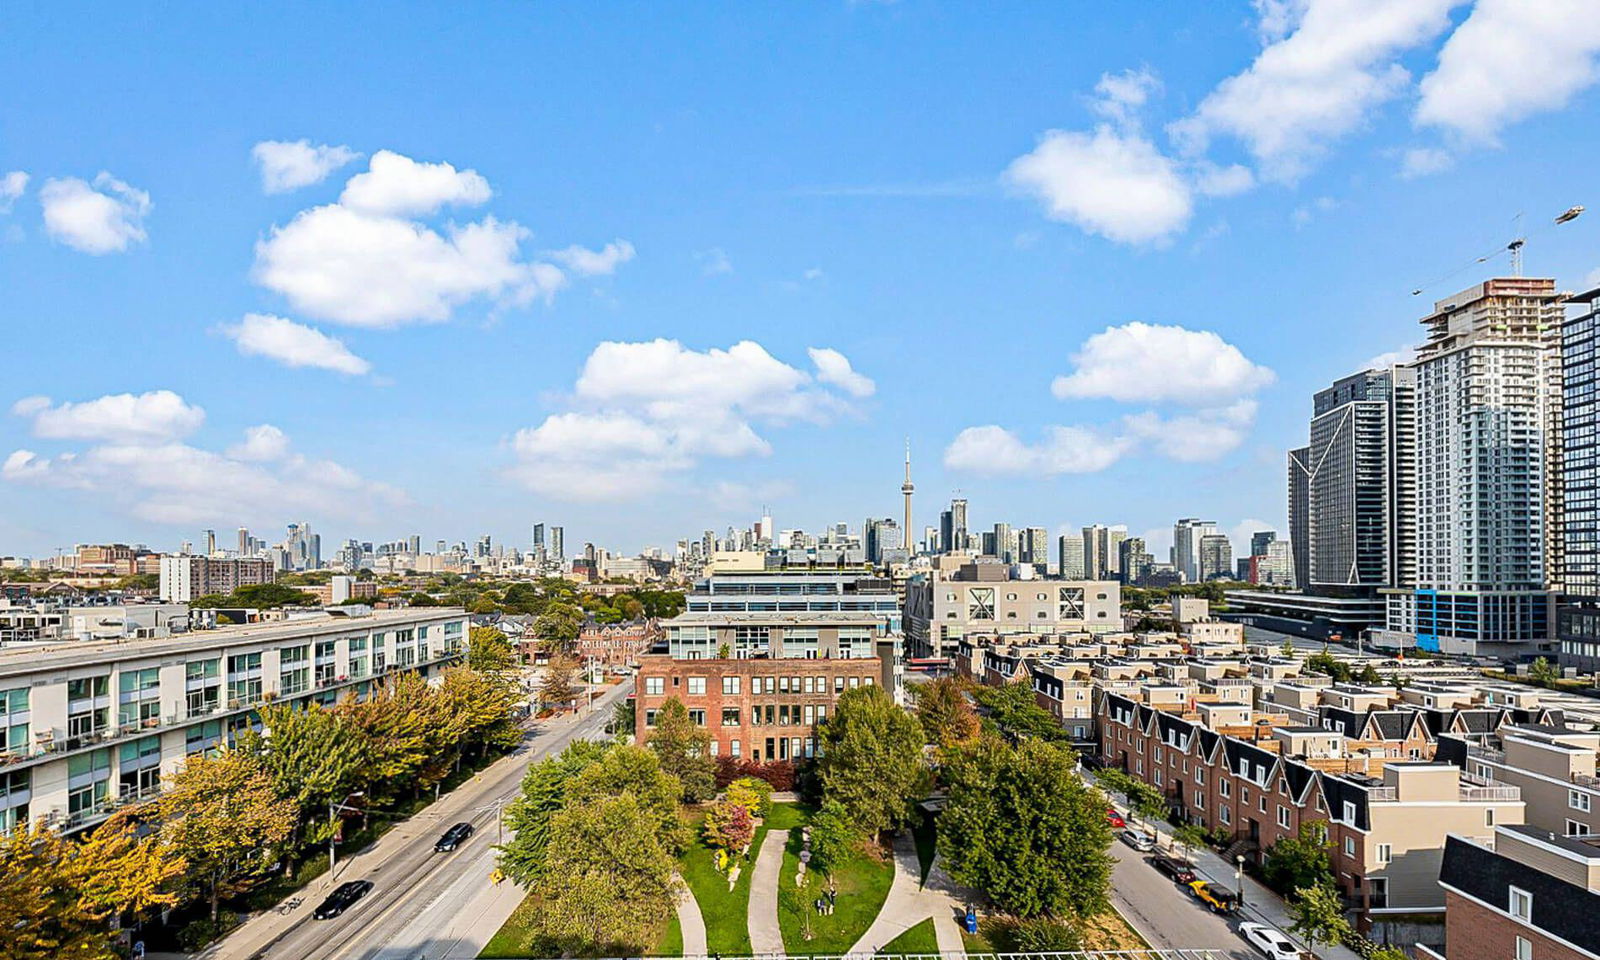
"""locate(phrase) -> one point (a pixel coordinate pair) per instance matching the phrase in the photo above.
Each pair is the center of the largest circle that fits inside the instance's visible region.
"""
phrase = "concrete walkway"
(691, 922)
(910, 902)
(766, 937)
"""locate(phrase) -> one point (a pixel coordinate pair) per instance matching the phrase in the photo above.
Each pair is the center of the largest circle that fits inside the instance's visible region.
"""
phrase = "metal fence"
(960, 955)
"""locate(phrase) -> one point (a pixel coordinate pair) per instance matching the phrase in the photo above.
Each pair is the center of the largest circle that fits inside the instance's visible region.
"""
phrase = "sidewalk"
(262, 930)
(1260, 903)
(766, 936)
(910, 902)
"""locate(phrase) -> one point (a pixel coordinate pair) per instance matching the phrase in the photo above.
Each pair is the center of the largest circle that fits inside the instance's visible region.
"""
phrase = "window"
(730, 718)
(1521, 905)
(1349, 812)
(1283, 816)
(730, 685)
(733, 748)
(1226, 816)
(655, 685)
(1225, 787)
(697, 686)
(1350, 847)
(1576, 829)
(1578, 800)
(1383, 852)
(1524, 949)
(1488, 817)
(697, 717)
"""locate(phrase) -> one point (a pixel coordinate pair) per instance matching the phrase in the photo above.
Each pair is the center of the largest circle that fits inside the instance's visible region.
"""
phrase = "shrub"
(1035, 935)
(779, 773)
(754, 794)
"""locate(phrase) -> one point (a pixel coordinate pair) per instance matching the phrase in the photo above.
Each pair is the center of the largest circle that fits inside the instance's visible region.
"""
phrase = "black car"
(340, 899)
(1181, 871)
(454, 837)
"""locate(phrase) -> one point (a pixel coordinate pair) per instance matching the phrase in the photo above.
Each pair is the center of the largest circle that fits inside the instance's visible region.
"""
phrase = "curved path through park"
(766, 936)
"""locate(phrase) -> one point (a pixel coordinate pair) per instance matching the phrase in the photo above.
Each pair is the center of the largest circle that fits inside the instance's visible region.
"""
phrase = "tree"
(1369, 675)
(559, 686)
(685, 751)
(489, 651)
(946, 716)
(729, 826)
(1286, 649)
(623, 717)
(607, 887)
(395, 725)
(117, 872)
(315, 756)
(639, 773)
(1327, 664)
(871, 758)
(1021, 826)
(558, 627)
(258, 596)
(752, 793)
(1016, 712)
(1302, 860)
(833, 836)
(1542, 673)
(1189, 836)
(224, 816)
(1318, 914)
(39, 912)
(543, 794)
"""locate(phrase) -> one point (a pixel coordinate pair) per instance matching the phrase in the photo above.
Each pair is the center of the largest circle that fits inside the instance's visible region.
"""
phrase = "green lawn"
(863, 884)
(515, 938)
(671, 942)
(919, 939)
(726, 911)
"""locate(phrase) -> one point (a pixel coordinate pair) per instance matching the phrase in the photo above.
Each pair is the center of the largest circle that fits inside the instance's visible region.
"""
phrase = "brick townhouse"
(1256, 779)
(1525, 893)
(617, 644)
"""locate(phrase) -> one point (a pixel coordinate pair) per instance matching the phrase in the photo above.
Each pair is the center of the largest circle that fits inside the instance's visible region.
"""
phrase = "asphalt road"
(1164, 913)
(421, 900)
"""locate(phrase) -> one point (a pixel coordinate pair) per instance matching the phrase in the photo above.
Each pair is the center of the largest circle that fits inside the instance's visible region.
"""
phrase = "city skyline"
(269, 386)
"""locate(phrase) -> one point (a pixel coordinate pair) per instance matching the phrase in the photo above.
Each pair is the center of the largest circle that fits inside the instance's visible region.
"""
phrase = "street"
(423, 904)
(1164, 914)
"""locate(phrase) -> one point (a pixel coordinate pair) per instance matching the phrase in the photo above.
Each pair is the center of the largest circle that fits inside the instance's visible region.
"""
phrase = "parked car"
(454, 837)
(341, 899)
(1114, 818)
(1140, 840)
(1269, 941)
(1219, 898)
(1181, 871)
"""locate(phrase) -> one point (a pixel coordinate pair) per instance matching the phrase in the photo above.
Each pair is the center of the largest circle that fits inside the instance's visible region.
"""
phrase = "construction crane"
(1514, 248)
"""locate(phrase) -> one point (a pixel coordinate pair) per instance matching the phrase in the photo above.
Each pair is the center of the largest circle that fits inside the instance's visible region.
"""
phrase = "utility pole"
(333, 833)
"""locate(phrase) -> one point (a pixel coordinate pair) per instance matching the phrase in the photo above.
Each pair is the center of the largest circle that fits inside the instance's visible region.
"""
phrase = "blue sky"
(1120, 321)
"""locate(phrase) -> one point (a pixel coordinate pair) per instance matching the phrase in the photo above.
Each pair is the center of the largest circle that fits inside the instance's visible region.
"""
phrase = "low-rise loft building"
(941, 606)
(88, 726)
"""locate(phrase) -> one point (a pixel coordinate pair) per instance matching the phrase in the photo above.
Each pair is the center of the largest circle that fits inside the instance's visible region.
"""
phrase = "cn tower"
(906, 490)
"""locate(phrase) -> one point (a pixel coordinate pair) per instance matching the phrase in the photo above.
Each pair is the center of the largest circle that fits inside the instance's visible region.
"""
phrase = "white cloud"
(1120, 96)
(162, 480)
(363, 262)
(1214, 181)
(1305, 213)
(293, 344)
(714, 262)
(105, 217)
(1509, 60)
(1383, 361)
(595, 263)
(1197, 437)
(1244, 529)
(122, 417)
(995, 451)
(833, 367)
(1327, 64)
(1151, 363)
(396, 185)
(1112, 183)
(1424, 161)
(647, 410)
(11, 187)
(291, 164)
(1593, 279)
(261, 442)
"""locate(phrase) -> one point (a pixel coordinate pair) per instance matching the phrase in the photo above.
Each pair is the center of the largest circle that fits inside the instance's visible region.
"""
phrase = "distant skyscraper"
(244, 542)
(538, 537)
(1069, 556)
(1035, 547)
(953, 527)
(906, 489)
(1259, 541)
(1003, 543)
(1578, 617)
(1216, 557)
(558, 547)
(1186, 536)
(1102, 551)
(1134, 561)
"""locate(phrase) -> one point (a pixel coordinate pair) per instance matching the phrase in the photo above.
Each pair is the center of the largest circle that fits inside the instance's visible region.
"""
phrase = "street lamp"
(1238, 877)
(333, 834)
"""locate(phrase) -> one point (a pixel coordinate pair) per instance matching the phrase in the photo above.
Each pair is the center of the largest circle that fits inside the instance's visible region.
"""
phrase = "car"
(1181, 871)
(1219, 898)
(341, 899)
(454, 837)
(1114, 818)
(1269, 941)
(1140, 840)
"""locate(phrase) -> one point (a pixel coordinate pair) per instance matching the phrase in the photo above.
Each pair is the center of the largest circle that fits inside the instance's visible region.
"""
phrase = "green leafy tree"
(607, 887)
(224, 816)
(1287, 648)
(729, 825)
(1317, 912)
(1189, 837)
(315, 756)
(1328, 665)
(259, 596)
(752, 793)
(543, 794)
(559, 686)
(871, 759)
(1015, 710)
(833, 836)
(1303, 860)
(558, 627)
(623, 717)
(639, 773)
(489, 651)
(685, 751)
(946, 716)
(1021, 826)
(476, 712)
(1542, 673)
(1369, 675)
(396, 725)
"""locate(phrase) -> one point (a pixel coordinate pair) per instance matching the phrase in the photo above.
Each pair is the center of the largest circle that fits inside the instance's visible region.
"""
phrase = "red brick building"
(617, 644)
(759, 708)
(1525, 894)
